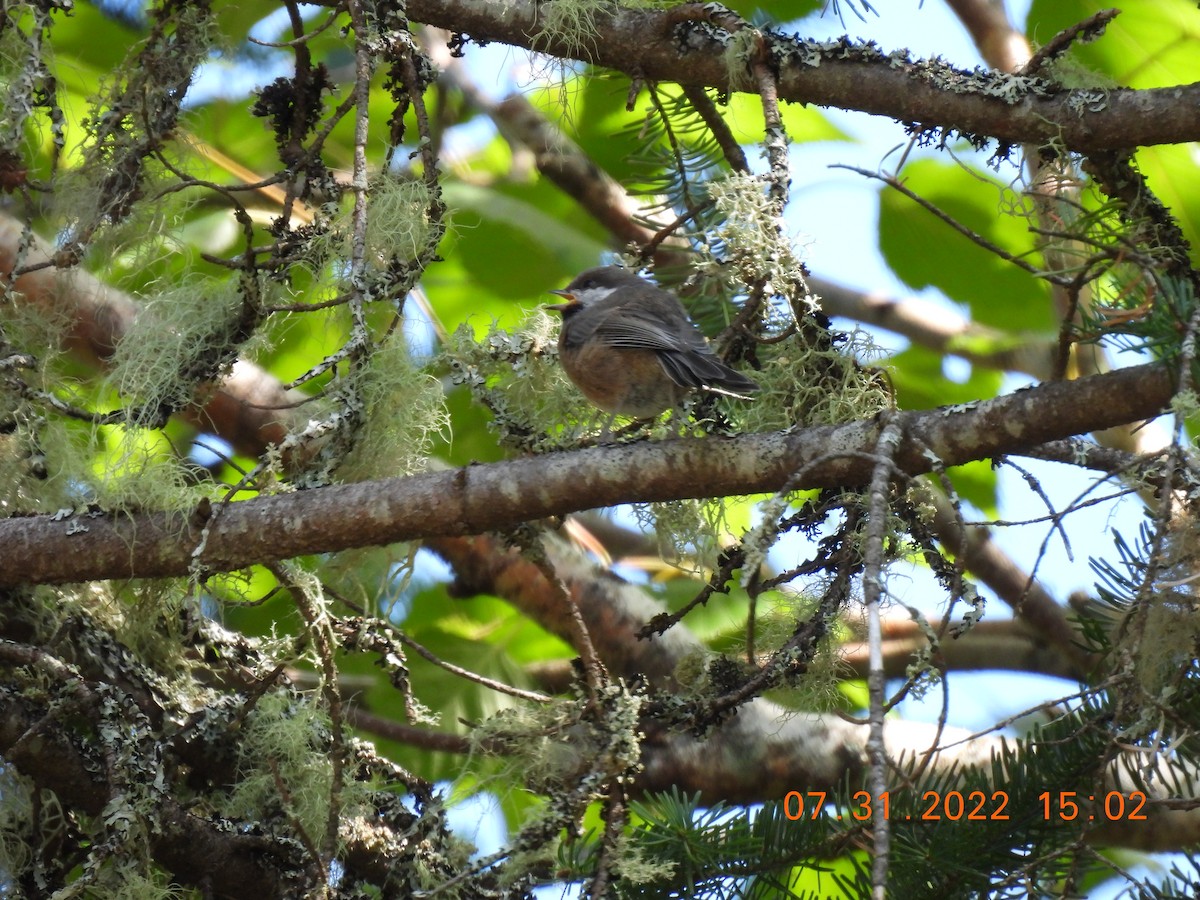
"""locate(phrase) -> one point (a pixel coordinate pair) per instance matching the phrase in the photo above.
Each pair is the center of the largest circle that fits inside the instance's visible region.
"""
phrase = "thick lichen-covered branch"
(90, 543)
(680, 45)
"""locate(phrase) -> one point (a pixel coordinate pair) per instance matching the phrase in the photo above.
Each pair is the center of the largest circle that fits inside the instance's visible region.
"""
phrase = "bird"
(630, 348)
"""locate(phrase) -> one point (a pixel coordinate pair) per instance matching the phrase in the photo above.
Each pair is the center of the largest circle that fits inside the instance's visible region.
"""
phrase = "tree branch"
(45, 549)
(682, 45)
(1007, 645)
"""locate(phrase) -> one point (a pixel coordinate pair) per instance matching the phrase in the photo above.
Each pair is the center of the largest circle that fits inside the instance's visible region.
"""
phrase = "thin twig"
(966, 232)
(594, 670)
(707, 110)
(316, 617)
(1089, 29)
(873, 561)
(614, 816)
(302, 39)
(481, 680)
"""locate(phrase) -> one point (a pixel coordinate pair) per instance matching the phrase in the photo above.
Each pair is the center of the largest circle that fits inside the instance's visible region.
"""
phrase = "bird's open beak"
(563, 307)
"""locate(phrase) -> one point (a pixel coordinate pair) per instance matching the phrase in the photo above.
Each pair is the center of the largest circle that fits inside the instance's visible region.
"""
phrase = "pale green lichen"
(135, 468)
(922, 673)
(373, 578)
(132, 612)
(17, 818)
(690, 532)
(146, 242)
(403, 410)
(758, 541)
(398, 223)
(517, 377)
(1172, 632)
(111, 467)
(1069, 71)
(572, 23)
(800, 387)
(284, 745)
(38, 329)
(554, 745)
(1185, 403)
(18, 81)
(1159, 632)
(811, 676)
(182, 336)
(650, 4)
(739, 51)
(751, 230)
(1084, 102)
(398, 226)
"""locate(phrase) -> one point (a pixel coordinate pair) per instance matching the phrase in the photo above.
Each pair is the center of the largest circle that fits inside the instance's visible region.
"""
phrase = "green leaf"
(804, 124)
(92, 41)
(924, 251)
(778, 11)
(921, 383)
(512, 241)
(1152, 43)
(975, 482)
(1171, 173)
(600, 124)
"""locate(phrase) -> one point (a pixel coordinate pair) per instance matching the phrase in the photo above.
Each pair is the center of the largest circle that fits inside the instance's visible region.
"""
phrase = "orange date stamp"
(973, 806)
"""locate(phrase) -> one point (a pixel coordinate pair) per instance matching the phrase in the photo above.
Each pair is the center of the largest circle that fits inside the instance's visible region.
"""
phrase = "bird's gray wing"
(635, 328)
(682, 350)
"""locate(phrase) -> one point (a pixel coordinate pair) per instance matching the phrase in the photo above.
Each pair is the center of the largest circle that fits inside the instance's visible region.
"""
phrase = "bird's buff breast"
(624, 382)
